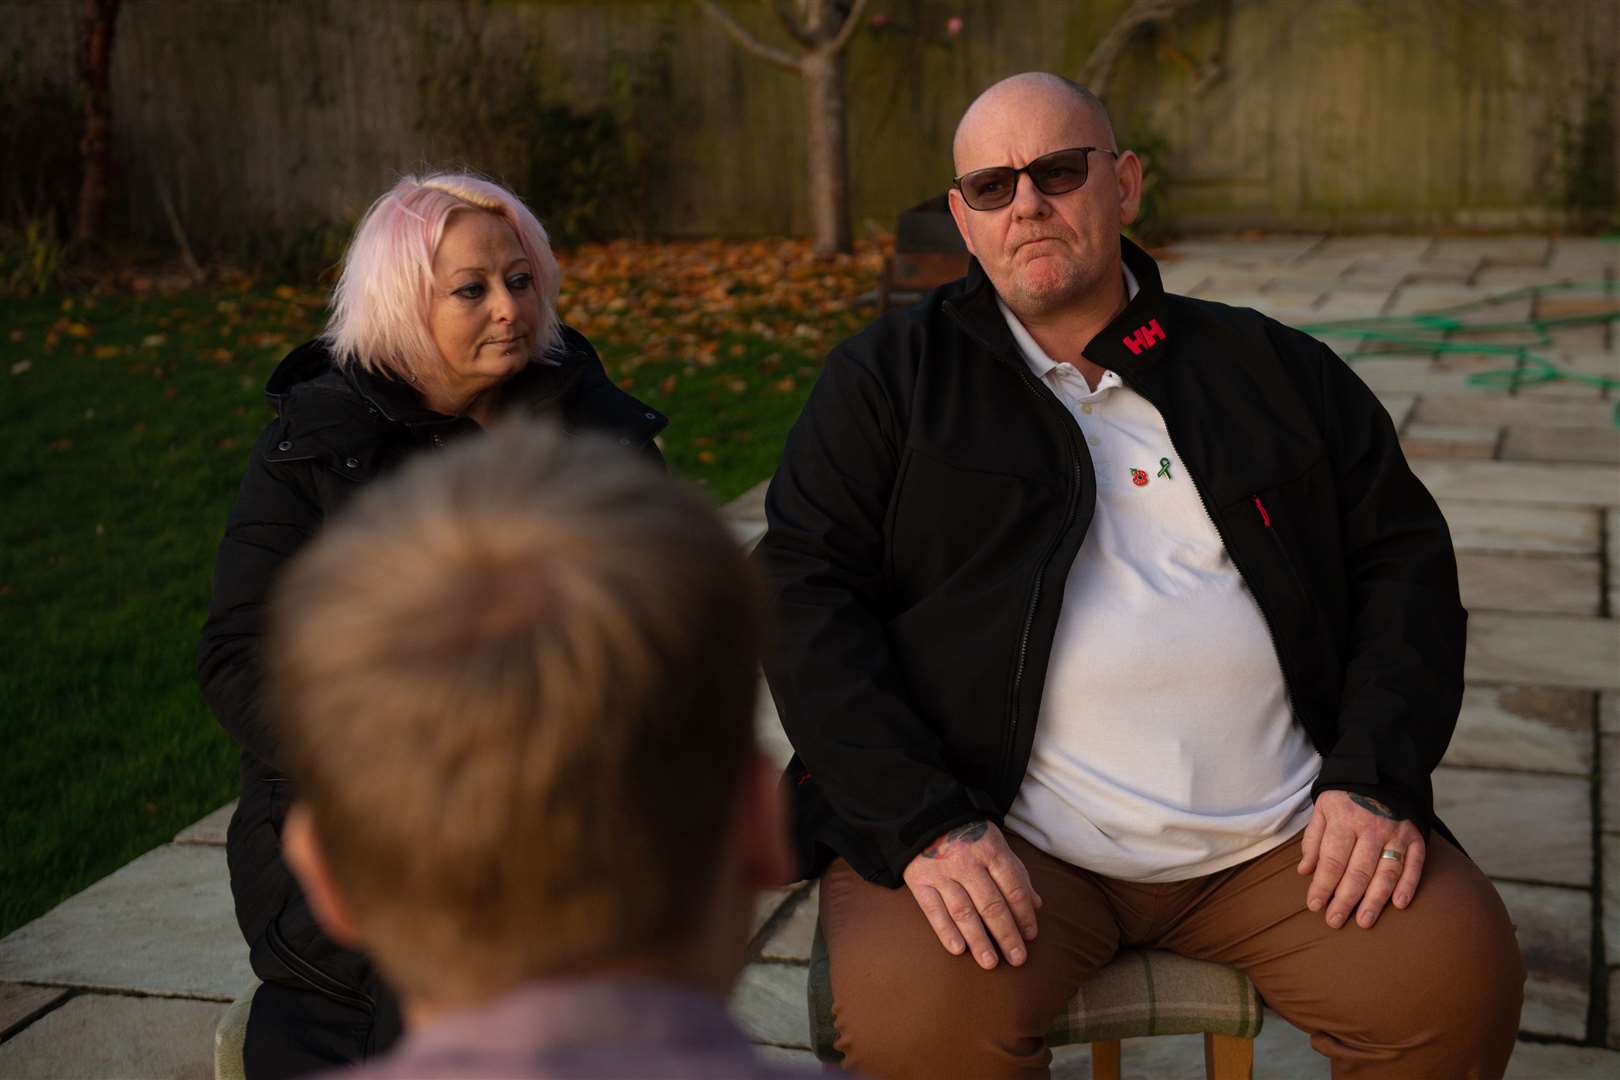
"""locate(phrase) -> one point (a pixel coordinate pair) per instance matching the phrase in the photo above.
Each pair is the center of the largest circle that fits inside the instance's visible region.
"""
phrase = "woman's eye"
(471, 291)
(519, 282)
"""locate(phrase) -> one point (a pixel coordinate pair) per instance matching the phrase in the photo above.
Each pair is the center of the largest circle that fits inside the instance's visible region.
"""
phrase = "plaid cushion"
(228, 1036)
(1139, 992)
(1149, 992)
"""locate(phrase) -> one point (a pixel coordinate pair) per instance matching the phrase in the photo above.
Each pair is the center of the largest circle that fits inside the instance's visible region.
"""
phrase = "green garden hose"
(1430, 333)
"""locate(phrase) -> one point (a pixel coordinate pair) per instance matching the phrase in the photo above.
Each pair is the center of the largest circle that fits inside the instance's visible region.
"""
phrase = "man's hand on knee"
(975, 891)
(1360, 854)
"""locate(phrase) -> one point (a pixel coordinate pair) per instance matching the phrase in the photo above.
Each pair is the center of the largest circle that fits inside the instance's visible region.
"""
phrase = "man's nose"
(1028, 201)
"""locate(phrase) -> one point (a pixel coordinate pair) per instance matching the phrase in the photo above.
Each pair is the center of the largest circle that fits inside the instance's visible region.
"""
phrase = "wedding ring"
(1391, 854)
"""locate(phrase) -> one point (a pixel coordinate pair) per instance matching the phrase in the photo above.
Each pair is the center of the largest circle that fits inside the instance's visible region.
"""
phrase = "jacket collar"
(1132, 342)
(397, 400)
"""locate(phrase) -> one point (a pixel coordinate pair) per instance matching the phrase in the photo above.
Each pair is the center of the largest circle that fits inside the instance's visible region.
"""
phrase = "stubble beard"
(1043, 291)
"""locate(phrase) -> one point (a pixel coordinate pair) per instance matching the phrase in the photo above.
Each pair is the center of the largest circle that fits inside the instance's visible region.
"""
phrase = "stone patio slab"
(1525, 728)
(1611, 894)
(210, 829)
(1555, 936)
(1577, 303)
(1558, 584)
(1520, 482)
(1399, 407)
(1592, 337)
(1506, 527)
(801, 1059)
(1611, 559)
(748, 534)
(792, 939)
(1499, 308)
(1552, 1061)
(97, 1035)
(1599, 445)
(1416, 298)
(1477, 407)
(162, 925)
(1609, 792)
(1609, 724)
(1184, 277)
(769, 1004)
(1522, 826)
(1450, 442)
(1351, 301)
(21, 1005)
(749, 506)
(1614, 1008)
(1497, 250)
(767, 904)
(1386, 245)
(1500, 279)
(773, 741)
(1544, 650)
(1410, 375)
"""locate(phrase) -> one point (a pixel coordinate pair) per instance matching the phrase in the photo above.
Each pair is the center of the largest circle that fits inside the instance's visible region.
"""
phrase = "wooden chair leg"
(1105, 1060)
(1226, 1057)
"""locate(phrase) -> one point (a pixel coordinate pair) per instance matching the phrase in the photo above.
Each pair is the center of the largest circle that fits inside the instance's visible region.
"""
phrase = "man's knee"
(892, 1021)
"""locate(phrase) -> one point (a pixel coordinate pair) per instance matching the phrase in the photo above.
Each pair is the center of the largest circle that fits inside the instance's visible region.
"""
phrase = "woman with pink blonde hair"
(444, 321)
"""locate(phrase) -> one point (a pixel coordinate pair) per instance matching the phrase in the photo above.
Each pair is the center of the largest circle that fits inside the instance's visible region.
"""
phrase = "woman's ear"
(300, 846)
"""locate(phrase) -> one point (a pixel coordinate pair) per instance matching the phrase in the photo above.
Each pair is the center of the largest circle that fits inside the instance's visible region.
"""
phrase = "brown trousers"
(1433, 991)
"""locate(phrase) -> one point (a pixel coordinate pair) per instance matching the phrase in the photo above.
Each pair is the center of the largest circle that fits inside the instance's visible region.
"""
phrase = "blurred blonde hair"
(380, 303)
(515, 688)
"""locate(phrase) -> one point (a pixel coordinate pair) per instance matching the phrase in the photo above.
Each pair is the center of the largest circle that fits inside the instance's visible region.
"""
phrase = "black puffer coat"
(334, 431)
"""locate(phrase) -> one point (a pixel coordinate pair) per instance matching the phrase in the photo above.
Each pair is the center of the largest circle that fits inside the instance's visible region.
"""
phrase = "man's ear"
(1128, 171)
(960, 210)
(300, 847)
(766, 858)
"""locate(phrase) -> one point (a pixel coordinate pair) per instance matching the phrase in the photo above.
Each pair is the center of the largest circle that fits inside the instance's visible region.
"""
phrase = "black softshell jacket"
(933, 496)
(334, 431)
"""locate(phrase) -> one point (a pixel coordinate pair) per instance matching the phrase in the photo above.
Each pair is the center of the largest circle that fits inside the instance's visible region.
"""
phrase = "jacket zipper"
(318, 980)
(1040, 576)
(1069, 427)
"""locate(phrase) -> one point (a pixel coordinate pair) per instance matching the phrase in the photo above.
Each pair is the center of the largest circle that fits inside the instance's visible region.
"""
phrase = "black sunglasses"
(1052, 174)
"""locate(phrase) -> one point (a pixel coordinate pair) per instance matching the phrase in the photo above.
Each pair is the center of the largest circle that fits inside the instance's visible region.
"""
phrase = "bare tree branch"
(852, 23)
(1099, 67)
(790, 22)
(742, 36)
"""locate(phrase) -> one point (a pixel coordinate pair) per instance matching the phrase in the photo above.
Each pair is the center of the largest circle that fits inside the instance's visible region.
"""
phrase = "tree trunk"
(823, 80)
(95, 83)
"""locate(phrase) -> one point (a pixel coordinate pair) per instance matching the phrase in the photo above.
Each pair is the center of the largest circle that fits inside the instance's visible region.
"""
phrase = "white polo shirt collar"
(1040, 364)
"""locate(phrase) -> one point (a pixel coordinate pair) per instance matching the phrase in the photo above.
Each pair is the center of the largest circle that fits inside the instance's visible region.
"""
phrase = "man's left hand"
(1344, 847)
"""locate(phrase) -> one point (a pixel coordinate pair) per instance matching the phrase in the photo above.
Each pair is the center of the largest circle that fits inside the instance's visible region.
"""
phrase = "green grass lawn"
(127, 421)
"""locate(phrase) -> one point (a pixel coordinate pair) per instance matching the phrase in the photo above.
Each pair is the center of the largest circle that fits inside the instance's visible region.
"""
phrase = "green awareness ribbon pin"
(1164, 468)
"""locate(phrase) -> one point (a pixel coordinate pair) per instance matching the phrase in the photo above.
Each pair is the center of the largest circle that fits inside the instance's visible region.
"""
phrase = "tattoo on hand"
(1375, 806)
(965, 833)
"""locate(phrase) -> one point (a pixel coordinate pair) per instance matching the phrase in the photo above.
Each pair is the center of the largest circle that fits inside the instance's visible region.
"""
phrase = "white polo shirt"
(1165, 748)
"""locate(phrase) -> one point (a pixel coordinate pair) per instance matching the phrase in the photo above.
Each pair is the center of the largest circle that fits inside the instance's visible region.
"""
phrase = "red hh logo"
(1143, 337)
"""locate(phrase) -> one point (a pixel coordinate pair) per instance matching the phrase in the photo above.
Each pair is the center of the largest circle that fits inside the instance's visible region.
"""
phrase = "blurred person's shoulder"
(583, 1028)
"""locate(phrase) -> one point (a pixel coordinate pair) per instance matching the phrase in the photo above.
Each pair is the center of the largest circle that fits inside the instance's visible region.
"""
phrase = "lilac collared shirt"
(581, 1029)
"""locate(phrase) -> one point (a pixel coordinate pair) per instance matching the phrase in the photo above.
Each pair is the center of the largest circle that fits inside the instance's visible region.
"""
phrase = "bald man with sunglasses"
(1111, 618)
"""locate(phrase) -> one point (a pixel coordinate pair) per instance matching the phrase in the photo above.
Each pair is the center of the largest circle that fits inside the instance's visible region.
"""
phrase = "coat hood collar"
(306, 363)
(1131, 342)
(400, 402)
